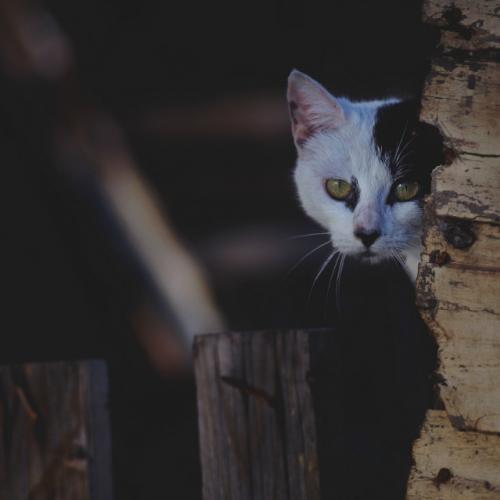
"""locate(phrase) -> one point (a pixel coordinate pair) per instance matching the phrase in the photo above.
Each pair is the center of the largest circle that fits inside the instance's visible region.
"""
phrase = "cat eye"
(338, 189)
(406, 191)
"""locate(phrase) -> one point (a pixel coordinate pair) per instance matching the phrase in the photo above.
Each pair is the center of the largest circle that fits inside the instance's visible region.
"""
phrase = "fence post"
(256, 418)
(54, 432)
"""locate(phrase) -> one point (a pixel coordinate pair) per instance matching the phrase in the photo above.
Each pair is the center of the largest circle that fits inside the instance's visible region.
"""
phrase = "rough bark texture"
(453, 464)
(54, 432)
(257, 430)
(458, 289)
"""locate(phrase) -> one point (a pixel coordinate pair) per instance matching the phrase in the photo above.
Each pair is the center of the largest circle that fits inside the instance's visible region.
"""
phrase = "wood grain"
(256, 422)
(55, 432)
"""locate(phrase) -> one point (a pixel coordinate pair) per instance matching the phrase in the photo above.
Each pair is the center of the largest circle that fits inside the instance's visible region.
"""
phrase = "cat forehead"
(385, 124)
(367, 142)
(350, 149)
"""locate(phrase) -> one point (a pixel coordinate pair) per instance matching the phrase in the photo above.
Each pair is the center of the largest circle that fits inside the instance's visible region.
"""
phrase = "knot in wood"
(443, 476)
(439, 258)
(458, 233)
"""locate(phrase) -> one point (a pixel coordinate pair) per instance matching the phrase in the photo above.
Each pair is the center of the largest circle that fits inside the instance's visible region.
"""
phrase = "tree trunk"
(458, 454)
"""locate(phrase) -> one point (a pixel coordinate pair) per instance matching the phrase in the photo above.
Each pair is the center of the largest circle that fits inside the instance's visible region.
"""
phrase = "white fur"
(343, 151)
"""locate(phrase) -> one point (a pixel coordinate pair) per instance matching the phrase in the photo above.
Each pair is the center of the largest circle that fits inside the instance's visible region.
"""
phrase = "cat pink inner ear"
(312, 107)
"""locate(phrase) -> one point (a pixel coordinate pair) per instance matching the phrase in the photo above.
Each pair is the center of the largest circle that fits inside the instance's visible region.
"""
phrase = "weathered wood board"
(257, 429)
(458, 288)
(54, 430)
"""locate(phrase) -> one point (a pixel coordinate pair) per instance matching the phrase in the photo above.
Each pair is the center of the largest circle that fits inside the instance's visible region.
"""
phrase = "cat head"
(362, 168)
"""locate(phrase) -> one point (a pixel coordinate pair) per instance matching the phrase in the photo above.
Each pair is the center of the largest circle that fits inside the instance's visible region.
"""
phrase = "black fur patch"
(353, 198)
(420, 144)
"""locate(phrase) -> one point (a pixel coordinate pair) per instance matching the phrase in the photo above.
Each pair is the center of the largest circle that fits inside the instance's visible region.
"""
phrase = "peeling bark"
(458, 287)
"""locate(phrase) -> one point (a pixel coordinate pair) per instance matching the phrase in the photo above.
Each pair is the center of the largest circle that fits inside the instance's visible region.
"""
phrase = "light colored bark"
(454, 465)
(458, 289)
(465, 24)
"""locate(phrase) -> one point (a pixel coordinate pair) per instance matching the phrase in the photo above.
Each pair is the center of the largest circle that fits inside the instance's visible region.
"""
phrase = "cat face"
(362, 169)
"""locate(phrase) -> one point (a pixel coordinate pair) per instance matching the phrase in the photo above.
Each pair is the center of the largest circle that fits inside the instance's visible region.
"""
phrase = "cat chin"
(410, 259)
(370, 258)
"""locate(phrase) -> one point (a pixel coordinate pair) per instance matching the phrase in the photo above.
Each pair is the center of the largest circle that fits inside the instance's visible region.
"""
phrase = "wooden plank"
(301, 452)
(55, 432)
(465, 24)
(462, 98)
(454, 465)
(256, 421)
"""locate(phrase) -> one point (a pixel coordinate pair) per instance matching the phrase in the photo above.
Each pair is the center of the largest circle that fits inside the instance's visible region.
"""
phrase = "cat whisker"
(405, 146)
(320, 272)
(298, 236)
(332, 274)
(398, 257)
(402, 170)
(297, 264)
(395, 261)
(401, 166)
(402, 155)
(402, 152)
(395, 156)
(403, 259)
(337, 282)
(401, 244)
(393, 258)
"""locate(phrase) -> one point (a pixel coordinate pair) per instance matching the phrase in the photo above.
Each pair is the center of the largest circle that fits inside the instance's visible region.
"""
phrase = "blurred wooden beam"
(89, 148)
(250, 117)
(95, 147)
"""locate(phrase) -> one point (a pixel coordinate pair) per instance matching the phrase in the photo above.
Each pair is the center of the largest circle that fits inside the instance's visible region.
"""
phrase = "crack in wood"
(249, 390)
(479, 155)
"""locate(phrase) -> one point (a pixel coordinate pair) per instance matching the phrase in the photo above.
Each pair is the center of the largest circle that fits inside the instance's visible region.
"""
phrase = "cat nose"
(368, 237)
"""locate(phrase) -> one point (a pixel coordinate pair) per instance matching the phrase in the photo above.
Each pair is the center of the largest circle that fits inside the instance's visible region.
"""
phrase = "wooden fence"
(54, 432)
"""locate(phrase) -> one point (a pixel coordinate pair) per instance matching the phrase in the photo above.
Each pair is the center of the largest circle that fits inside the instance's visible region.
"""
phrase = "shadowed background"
(148, 194)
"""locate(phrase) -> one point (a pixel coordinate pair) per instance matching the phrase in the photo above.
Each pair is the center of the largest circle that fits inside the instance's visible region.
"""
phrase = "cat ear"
(312, 107)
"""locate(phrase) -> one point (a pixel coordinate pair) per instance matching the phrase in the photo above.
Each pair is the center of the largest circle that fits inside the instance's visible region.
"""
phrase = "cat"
(362, 170)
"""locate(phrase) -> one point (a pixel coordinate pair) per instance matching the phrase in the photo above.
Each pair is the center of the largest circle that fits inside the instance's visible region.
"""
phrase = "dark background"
(72, 286)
